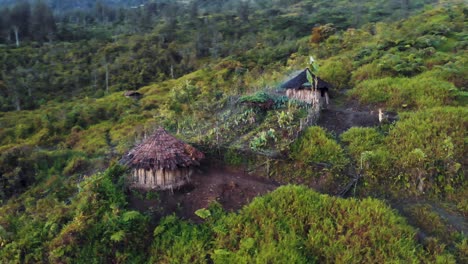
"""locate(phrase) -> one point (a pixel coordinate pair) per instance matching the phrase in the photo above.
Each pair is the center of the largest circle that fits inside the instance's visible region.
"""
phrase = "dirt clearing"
(339, 118)
(230, 187)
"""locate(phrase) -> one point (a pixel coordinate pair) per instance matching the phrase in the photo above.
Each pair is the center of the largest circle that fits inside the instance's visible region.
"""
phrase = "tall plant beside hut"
(312, 78)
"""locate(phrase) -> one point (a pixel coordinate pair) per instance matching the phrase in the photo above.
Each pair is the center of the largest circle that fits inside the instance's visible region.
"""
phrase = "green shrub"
(176, 241)
(430, 222)
(361, 139)
(368, 72)
(232, 157)
(429, 147)
(396, 93)
(316, 146)
(462, 250)
(303, 226)
(76, 165)
(453, 72)
(294, 224)
(337, 72)
(262, 140)
(101, 228)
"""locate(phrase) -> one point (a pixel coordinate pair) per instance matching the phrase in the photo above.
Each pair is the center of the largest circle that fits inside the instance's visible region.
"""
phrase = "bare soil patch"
(338, 118)
(230, 187)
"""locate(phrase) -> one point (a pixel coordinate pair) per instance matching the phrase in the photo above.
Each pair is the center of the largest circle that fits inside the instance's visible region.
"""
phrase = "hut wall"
(313, 97)
(160, 179)
(308, 96)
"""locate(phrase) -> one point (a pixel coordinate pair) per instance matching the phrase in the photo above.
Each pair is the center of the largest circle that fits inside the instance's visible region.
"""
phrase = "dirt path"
(456, 221)
(339, 117)
(231, 188)
(453, 220)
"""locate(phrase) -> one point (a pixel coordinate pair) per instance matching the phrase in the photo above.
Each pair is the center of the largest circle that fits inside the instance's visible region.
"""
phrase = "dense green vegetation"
(292, 223)
(209, 73)
(109, 49)
(296, 225)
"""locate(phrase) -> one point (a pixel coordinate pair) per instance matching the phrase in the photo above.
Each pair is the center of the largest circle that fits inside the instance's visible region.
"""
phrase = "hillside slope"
(63, 198)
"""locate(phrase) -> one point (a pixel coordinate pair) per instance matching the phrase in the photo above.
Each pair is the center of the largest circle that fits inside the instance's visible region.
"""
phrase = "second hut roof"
(163, 151)
(298, 81)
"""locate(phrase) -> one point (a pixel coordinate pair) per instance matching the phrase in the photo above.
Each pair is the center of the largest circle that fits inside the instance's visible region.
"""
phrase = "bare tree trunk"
(107, 78)
(50, 37)
(17, 102)
(16, 30)
(95, 79)
(405, 7)
(358, 13)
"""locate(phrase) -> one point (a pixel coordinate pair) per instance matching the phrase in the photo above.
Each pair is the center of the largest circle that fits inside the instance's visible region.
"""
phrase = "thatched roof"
(132, 94)
(163, 151)
(301, 82)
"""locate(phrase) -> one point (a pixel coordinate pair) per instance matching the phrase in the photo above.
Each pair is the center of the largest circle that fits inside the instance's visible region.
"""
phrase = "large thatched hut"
(301, 89)
(162, 162)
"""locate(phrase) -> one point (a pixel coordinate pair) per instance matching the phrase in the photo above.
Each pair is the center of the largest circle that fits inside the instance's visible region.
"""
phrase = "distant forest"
(170, 38)
(50, 20)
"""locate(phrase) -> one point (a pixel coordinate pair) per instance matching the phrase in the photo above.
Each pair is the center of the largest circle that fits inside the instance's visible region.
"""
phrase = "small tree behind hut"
(162, 162)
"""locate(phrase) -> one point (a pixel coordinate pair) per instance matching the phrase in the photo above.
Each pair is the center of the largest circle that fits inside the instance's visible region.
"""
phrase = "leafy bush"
(396, 93)
(296, 225)
(101, 229)
(232, 157)
(176, 241)
(259, 97)
(316, 146)
(77, 164)
(430, 222)
(367, 72)
(337, 72)
(264, 100)
(262, 139)
(361, 139)
(429, 147)
(400, 64)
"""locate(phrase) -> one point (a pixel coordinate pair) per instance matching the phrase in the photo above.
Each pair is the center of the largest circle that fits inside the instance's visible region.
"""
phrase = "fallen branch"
(348, 187)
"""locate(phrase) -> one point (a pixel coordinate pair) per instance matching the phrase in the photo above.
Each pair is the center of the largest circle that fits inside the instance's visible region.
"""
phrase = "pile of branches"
(264, 100)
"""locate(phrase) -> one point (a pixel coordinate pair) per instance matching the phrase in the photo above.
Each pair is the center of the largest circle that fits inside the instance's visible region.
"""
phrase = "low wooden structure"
(301, 89)
(162, 162)
(133, 94)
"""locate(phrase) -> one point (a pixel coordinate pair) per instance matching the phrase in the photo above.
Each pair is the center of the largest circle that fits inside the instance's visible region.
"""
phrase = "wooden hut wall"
(161, 179)
(308, 96)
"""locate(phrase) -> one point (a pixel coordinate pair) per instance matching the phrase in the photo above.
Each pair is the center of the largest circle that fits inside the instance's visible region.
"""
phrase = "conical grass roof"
(162, 151)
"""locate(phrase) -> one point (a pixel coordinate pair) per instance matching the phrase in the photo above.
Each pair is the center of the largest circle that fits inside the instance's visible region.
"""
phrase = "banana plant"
(314, 67)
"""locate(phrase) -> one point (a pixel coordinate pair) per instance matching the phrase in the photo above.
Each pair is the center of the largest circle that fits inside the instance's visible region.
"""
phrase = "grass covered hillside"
(348, 188)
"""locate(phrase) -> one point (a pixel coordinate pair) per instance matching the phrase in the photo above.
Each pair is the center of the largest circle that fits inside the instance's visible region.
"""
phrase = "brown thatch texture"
(163, 151)
(132, 93)
(308, 96)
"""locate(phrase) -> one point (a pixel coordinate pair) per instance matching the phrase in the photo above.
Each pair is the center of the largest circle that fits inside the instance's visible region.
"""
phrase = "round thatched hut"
(162, 162)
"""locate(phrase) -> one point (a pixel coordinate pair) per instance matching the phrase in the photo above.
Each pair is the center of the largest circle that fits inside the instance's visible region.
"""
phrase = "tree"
(20, 19)
(243, 11)
(100, 9)
(405, 5)
(193, 10)
(42, 22)
(12, 90)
